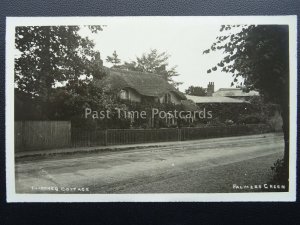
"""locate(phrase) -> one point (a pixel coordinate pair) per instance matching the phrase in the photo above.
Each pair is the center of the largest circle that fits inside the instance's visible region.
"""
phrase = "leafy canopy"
(154, 62)
(51, 54)
(196, 90)
(260, 55)
(114, 59)
(257, 53)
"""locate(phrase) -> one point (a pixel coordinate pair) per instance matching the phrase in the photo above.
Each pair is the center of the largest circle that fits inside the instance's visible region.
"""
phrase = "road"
(202, 166)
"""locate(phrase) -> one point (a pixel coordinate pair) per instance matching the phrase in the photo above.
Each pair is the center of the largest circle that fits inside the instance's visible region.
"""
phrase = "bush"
(280, 173)
(252, 119)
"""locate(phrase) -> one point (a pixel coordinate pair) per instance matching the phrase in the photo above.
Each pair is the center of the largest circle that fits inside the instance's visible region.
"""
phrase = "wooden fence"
(82, 138)
(39, 135)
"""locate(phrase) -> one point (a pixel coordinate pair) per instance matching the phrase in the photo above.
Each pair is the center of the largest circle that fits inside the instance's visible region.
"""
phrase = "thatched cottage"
(137, 86)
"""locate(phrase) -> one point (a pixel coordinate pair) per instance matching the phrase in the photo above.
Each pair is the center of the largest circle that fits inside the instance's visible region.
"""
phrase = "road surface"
(202, 166)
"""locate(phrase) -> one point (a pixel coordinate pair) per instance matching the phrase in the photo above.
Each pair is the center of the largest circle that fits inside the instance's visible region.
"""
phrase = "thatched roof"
(213, 99)
(234, 92)
(147, 84)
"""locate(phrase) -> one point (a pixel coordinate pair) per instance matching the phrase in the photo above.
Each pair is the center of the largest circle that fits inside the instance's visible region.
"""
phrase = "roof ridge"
(136, 72)
(148, 84)
(230, 89)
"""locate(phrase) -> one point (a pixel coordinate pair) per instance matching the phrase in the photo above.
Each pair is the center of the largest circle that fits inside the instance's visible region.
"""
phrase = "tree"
(260, 55)
(69, 103)
(51, 55)
(195, 90)
(113, 59)
(154, 62)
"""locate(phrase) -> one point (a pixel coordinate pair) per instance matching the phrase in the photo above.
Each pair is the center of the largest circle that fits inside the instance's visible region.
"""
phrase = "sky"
(184, 41)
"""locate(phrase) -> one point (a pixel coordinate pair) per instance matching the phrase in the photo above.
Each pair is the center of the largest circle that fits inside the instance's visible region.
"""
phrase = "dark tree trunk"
(285, 127)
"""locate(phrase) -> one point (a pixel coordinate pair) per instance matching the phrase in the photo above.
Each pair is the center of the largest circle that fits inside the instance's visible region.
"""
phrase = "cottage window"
(124, 94)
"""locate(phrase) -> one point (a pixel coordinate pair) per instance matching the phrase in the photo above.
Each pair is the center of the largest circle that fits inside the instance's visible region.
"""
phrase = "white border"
(11, 22)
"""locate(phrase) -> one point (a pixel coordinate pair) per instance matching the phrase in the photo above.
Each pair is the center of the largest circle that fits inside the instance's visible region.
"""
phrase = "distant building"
(213, 99)
(223, 95)
(236, 93)
(226, 106)
(140, 86)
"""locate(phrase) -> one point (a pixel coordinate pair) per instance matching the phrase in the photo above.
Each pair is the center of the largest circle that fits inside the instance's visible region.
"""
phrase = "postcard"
(151, 109)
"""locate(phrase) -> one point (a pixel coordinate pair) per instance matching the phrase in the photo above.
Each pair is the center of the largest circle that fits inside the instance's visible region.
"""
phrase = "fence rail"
(40, 135)
(134, 136)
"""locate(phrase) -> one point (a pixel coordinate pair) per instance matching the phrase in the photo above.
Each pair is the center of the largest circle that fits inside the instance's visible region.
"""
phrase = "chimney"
(210, 88)
(98, 59)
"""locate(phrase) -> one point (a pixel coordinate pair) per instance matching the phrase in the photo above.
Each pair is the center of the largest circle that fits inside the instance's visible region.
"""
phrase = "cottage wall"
(134, 96)
(130, 94)
(161, 99)
(174, 99)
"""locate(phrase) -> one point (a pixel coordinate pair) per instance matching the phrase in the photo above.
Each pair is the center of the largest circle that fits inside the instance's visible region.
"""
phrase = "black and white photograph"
(151, 108)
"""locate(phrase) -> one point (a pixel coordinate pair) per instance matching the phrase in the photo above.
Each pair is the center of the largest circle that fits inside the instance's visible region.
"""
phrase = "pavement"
(49, 152)
(200, 166)
(93, 149)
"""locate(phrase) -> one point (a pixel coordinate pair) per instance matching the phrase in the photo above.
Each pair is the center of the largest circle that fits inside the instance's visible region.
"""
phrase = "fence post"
(105, 137)
(69, 134)
(182, 134)
(23, 142)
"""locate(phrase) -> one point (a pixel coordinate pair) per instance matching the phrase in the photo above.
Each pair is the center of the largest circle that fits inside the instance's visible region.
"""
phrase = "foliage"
(195, 90)
(154, 62)
(51, 54)
(71, 100)
(113, 59)
(255, 118)
(68, 103)
(280, 173)
(260, 55)
(221, 113)
(258, 111)
(147, 107)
